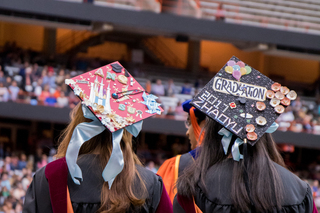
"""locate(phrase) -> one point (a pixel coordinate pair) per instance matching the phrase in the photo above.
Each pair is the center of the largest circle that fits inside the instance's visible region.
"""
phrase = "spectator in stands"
(14, 165)
(8, 207)
(4, 93)
(28, 80)
(38, 88)
(170, 88)
(5, 192)
(62, 101)
(7, 162)
(179, 109)
(57, 92)
(150, 166)
(44, 77)
(186, 88)
(60, 78)
(36, 72)
(22, 71)
(51, 78)
(14, 91)
(52, 153)
(8, 81)
(18, 192)
(43, 162)
(5, 183)
(18, 208)
(297, 104)
(22, 162)
(220, 14)
(44, 94)
(158, 88)
(315, 188)
(2, 77)
(51, 100)
(26, 179)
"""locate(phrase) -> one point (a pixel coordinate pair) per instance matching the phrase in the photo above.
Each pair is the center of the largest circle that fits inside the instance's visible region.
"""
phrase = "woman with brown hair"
(75, 184)
(238, 168)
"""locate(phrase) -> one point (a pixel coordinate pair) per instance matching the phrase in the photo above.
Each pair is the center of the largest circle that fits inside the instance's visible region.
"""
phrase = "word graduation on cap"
(241, 89)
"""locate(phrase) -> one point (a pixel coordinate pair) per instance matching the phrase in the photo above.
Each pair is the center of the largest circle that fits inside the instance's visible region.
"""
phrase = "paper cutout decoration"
(230, 98)
(96, 94)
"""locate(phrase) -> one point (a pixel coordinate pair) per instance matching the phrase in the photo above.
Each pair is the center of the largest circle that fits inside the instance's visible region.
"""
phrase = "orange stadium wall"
(215, 54)
(299, 70)
(112, 51)
(26, 36)
(180, 49)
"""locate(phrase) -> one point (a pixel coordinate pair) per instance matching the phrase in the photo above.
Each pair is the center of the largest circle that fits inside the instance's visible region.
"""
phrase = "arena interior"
(173, 48)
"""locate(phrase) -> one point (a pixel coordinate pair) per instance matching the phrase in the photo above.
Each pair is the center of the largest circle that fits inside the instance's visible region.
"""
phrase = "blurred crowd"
(30, 77)
(16, 172)
(301, 116)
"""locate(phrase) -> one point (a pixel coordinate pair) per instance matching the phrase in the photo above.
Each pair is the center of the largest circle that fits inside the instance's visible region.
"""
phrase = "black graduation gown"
(85, 198)
(297, 193)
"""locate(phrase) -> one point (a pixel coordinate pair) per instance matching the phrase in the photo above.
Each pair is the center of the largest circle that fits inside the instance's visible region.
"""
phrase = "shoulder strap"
(57, 175)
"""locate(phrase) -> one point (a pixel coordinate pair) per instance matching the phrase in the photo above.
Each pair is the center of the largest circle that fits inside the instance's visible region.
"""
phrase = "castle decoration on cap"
(113, 95)
(243, 100)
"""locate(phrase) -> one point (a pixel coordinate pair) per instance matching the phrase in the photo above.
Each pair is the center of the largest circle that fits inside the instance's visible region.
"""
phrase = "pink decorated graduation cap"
(114, 96)
(113, 99)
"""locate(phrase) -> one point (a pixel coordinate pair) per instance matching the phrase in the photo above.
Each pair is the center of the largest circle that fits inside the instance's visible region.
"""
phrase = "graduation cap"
(243, 100)
(195, 115)
(186, 106)
(113, 99)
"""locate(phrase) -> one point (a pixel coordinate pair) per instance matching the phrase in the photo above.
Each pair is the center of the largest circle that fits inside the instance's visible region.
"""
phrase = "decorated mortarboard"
(113, 99)
(114, 96)
(243, 100)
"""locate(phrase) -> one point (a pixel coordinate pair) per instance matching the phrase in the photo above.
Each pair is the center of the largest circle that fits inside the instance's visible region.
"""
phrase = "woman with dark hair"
(73, 182)
(238, 168)
(172, 168)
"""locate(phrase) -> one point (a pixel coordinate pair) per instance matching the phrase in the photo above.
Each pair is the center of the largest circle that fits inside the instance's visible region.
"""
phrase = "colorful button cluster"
(237, 69)
(280, 95)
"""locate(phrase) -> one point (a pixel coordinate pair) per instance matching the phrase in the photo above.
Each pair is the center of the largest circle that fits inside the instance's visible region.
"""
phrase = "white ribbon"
(227, 136)
(87, 130)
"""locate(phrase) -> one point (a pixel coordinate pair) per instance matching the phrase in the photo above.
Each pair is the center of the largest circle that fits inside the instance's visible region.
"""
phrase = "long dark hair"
(265, 184)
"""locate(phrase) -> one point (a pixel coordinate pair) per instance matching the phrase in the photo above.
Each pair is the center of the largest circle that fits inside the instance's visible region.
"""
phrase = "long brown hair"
(265, 184)
(121, 196)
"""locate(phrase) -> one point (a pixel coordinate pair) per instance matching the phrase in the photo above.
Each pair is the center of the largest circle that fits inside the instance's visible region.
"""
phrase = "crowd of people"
(44, 85)
(301, 116)
(41, 82)
(16, 173)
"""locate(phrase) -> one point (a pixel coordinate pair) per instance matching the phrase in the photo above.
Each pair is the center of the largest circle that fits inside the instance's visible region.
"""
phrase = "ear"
(202, 123)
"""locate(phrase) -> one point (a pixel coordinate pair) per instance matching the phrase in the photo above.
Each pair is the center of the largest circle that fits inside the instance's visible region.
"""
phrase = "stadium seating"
(298, 16)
